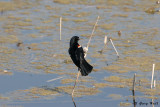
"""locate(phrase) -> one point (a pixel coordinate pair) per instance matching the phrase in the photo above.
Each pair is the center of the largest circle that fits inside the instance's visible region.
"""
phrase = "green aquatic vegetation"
(28, 20)
(33, 35)
(118, 79)
(34, 46)
(125, 104)
(68, 61)
(107, 26)
(9, 39)
(117, 68)
(125, 45)
(9, 30)
(115, 96)
(100, 85)
(61, 56)
(137, 33)
(82, 14)
(25, 13)
(14, 17)
(66, 89)
(72, 10)
(82, 90)
(150, 10)
(45, 31)
(148, 91)
(63, 1)
(152, 42)
(66, 81)
(47, 68)
(119, 82)
(6, 50)
(85, 2)
(98, 55)
(138, 18)
(152, 97)
(120, 15)
(139, 63)
(22, 23)
(8, 26)
(48, 7)
(40, 67)
(55, 16)
(102, 7)
(47, 21)
(80, 20)
(134, 52)
(65, 19)
(66, 14)
(95, 70)
(117, 85)
(79, 91)
(44, 27)
(5, 72)
(12, 5)
(4, 98)
(41, 91)
(128, 9)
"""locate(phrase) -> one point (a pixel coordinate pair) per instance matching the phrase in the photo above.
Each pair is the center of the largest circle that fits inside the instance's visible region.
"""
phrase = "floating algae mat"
(31, 53)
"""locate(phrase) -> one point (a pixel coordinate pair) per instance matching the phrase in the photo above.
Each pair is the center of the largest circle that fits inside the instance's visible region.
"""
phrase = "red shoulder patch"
(79, 46)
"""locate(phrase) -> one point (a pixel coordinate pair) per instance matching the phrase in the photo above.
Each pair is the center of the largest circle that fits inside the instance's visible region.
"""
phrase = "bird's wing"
(74, 57)
(85, 67)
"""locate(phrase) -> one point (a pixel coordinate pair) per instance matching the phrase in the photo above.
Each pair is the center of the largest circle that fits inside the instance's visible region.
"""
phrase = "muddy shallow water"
(36, 70)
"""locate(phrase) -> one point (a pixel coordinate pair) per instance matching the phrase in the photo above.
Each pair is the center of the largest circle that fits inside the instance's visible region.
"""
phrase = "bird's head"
(74, 40)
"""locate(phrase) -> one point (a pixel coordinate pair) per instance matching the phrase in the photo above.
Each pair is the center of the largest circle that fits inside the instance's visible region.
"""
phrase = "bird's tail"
(86, 68)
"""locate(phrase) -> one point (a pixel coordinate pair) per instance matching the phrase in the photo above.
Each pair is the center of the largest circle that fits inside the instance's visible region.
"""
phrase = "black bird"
(77, 55)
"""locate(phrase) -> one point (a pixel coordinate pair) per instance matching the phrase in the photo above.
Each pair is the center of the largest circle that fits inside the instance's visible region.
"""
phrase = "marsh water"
(36, 69)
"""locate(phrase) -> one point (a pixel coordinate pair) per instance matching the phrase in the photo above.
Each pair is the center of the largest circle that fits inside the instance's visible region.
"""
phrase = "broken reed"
(60, 28)
(133, 90)
(134, 80)
(92, 34)
(105, 43)
(152, 75)
(114, 47)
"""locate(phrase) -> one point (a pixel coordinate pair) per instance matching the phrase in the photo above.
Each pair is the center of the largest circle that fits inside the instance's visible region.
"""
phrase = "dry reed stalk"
(114, 47)
(54, 79)
(84, 56)
(60, 28)
(134, 79)
(105, 40)
(152, 75)
(133, 90)
(154, 85)
(105, 43)
(92, 34)
(74, 87)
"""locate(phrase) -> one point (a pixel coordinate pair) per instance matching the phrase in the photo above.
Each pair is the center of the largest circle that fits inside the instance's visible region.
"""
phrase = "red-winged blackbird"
(77, 55)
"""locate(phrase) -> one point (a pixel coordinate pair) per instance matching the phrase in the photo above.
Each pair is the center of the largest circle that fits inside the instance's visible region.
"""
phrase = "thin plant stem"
(152, 75)
(84, 56)
(74, 87)
(105, 43)
(54, 79)
(60, 28)
(114, 47)
(92, 34)
(134, 79)
(133, 90)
